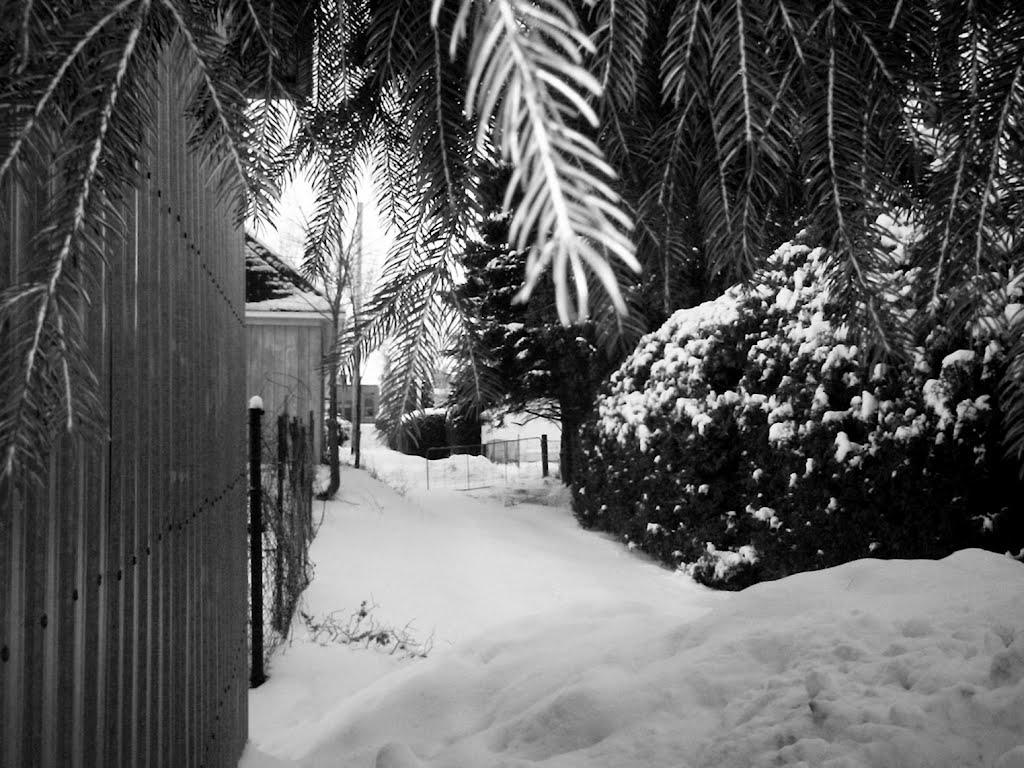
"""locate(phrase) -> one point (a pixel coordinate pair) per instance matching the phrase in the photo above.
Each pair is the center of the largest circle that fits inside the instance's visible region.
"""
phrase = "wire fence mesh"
(495, 463)
(286, 522)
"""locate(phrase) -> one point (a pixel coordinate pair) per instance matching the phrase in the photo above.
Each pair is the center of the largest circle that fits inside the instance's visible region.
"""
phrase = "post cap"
(255, 403)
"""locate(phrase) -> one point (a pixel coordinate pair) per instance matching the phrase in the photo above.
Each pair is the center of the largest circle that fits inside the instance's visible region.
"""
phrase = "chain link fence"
(494, 463)
(280, 529)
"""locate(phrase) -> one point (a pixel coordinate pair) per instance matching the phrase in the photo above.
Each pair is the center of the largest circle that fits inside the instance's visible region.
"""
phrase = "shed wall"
(285, 368)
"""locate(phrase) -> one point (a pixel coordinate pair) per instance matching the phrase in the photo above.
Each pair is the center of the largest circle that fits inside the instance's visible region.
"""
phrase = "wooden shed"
(288, 327)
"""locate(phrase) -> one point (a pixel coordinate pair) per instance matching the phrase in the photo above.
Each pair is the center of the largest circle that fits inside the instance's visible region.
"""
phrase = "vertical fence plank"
(122, 516)
(149, 468)
(196, 474)
(93, 504)
(132, 465)
(81, 719)
(207, 660)
(29, 561)
(113, 586)
(12, 652)
(177, 408)
(9, 671)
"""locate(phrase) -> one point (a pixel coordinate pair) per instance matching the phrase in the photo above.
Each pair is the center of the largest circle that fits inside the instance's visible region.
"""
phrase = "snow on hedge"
(762, 397)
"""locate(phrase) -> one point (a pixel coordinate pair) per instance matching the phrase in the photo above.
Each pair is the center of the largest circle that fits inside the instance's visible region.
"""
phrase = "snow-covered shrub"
(747, 439)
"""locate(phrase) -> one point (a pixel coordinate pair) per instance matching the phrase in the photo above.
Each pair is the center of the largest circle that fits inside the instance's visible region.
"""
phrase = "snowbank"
(872, 663)
(565, 650)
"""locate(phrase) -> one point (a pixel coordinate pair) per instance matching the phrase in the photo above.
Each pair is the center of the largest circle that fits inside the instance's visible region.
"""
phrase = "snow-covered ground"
(555, 646)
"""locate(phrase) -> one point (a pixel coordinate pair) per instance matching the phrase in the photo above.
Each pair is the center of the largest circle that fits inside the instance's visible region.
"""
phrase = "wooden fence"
(123, 584)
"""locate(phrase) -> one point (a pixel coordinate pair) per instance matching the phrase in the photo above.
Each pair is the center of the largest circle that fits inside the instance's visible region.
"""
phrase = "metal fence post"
(544, 455)
(257, 675)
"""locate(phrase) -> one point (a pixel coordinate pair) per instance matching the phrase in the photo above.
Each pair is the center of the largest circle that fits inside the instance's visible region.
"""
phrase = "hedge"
(748, 439)
(427, 430)
(422, 432)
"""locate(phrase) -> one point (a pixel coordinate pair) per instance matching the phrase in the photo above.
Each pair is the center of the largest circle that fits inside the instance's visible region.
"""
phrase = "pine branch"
(620, 36)
(526, 83)
(1011, 397)
(46, 293)
(227, 141)
(58, 77)
(26, 16)
(977, 169)
(684, 67)
(439, 105)
(478, 384)
(410, 313)
(1009, 113)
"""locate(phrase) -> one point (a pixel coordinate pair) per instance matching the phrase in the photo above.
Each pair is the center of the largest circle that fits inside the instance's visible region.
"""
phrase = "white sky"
(287, 239)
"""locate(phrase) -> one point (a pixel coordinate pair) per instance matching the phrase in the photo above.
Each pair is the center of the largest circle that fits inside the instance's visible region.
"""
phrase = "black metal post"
(544, 455)
(257, 676)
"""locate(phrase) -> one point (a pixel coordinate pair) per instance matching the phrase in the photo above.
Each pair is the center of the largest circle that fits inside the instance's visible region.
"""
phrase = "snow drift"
(597, 658)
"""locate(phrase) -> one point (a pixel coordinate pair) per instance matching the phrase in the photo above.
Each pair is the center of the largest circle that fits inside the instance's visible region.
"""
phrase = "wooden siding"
(123, 582)
(285, 364)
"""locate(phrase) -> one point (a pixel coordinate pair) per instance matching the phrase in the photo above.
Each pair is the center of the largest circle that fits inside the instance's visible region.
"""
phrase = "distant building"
(288, 322)
(370, 401)
(371, 397)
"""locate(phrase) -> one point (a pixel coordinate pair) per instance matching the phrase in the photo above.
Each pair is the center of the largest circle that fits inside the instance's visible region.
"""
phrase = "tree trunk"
(333, 456)
(569, 452)
(357, 406)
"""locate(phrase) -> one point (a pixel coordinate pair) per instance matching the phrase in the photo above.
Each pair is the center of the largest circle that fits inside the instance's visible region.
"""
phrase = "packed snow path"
(554, 646)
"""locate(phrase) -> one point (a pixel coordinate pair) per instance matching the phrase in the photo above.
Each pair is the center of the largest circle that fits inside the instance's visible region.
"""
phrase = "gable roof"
(271, 284)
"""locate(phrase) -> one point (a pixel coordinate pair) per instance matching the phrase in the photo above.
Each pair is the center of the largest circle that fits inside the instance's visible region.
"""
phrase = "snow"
(255, 403)
(786, 299)
(844, 446)
(868, 405)
(298, 301)
(959, 357)
(936, 397)
(838, 354)
(556, 646)
(727, 561)
(521, 427)
(781, 431)
(291, 292)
